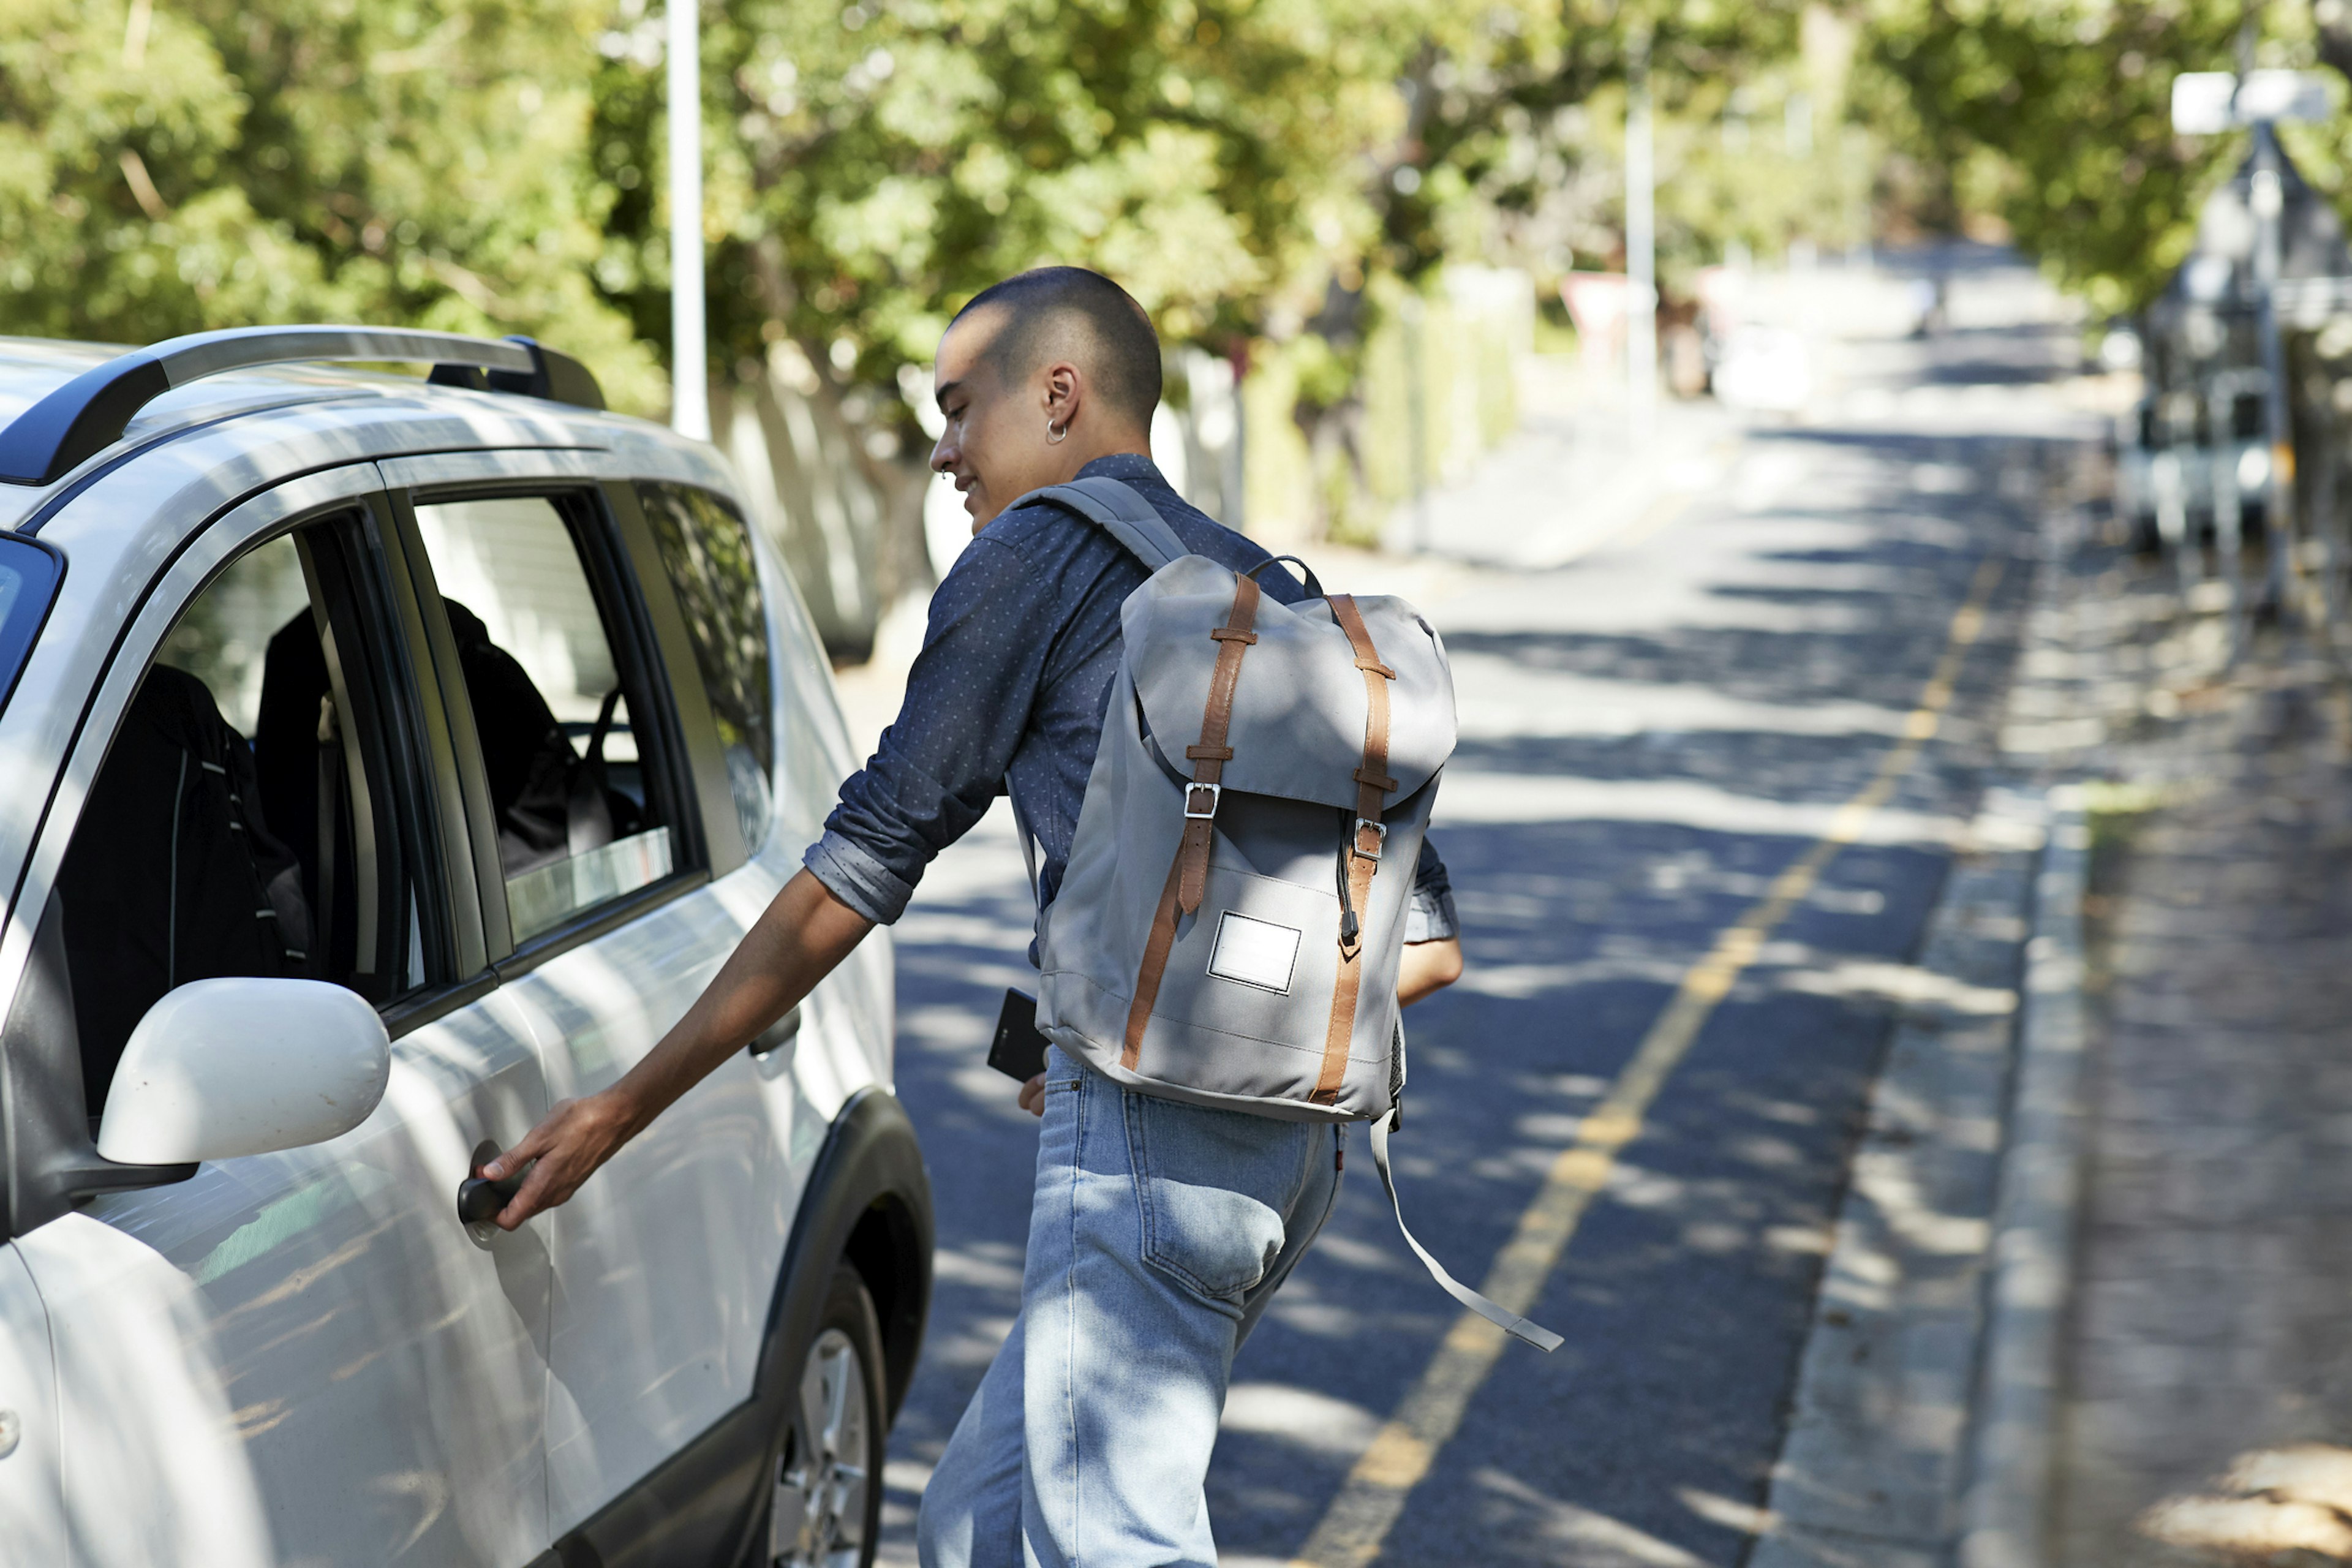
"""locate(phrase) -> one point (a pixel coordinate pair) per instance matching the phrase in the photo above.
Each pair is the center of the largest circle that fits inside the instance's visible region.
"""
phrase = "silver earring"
(1054, 437)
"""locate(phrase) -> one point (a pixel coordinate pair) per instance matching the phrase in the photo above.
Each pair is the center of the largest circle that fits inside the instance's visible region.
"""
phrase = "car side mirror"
(244, 1066)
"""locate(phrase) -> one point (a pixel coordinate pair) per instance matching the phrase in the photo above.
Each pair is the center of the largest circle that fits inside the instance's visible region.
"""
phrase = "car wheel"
(827, 1510)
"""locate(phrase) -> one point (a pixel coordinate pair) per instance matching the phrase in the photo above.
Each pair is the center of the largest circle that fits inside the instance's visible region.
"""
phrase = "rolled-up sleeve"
(859, 877)
(937, 768)
(1428, 917)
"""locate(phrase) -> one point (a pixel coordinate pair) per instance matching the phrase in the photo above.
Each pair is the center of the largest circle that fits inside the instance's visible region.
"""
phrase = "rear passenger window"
(705, 549)
(246, 818)
(562, 737)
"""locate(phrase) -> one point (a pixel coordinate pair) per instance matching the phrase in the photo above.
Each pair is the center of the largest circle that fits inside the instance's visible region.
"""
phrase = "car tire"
(825, 1506)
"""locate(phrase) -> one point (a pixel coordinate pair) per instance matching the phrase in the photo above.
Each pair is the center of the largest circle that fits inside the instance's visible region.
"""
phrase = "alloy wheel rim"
(819, 1521)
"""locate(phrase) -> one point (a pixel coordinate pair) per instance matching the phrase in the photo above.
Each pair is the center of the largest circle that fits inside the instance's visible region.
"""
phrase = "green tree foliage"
(1520, 142)
(217, 163)
(1252, 169)
(875, 165)
(2056, 116)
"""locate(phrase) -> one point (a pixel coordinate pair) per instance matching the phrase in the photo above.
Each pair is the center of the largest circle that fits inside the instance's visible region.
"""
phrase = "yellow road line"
(1357, 1524)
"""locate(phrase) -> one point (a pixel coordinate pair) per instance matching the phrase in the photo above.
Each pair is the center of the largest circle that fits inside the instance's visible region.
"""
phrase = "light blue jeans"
(1158, 1233)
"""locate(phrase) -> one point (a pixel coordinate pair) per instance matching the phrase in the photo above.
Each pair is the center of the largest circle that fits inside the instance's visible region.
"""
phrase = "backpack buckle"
(1204, 813)
(1379, 838)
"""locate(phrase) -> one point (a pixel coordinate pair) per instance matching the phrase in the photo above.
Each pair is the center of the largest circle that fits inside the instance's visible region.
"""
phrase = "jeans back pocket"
(1213, 1187)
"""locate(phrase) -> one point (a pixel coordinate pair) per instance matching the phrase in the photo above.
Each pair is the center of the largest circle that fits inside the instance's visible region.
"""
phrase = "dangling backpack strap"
(1119, 512)
(1188, 873)
(1510, 1322)
(1364, 842)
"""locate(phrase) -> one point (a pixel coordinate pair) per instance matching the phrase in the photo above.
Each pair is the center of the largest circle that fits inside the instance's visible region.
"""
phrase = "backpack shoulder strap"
(1119, 512)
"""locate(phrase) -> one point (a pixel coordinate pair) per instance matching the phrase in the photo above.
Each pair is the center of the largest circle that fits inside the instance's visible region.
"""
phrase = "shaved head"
(1069, 313)
(1036, 378)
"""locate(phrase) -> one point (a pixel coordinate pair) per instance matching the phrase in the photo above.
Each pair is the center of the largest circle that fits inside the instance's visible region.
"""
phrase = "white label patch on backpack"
(1255, 952)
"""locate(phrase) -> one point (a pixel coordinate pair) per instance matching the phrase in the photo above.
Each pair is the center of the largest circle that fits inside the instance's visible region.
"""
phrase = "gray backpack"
(1231, 918)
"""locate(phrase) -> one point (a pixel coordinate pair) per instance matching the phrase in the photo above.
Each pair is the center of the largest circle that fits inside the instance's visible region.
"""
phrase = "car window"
(705, 549)
(245, 820)
(223, 640)
(562, 742)
(29, 577)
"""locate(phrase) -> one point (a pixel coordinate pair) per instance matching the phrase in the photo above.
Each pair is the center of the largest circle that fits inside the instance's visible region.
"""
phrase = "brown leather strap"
(1345, 988)
(1188, 874)
(1365, 843)
(1209, 758)
(1373, 780)
(1153, 969)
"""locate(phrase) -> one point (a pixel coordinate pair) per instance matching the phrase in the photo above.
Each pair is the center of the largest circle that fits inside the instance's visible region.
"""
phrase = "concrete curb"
(1875, 1456)
(2005, 1512)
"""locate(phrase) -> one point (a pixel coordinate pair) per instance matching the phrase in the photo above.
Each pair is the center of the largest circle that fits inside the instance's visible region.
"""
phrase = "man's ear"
(1065, 391)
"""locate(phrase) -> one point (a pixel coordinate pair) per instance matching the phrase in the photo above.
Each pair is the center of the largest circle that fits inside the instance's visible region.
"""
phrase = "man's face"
(994, 444)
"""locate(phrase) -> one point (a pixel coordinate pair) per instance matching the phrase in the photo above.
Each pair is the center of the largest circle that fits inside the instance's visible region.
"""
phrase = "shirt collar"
(1123, 465)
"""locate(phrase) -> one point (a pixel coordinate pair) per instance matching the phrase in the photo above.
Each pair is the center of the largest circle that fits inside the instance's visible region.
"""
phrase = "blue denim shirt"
(1008, 696)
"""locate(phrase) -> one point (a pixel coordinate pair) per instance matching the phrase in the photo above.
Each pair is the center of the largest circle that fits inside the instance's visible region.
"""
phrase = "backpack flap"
(1298, 711)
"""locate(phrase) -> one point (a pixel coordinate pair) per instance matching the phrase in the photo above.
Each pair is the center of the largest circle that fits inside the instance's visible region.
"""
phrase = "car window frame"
(586, 509)
(361, 586)
(43, 1146)
(380, 646)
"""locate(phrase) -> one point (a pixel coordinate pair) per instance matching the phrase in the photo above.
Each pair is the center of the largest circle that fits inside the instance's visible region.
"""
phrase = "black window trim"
(586, 509)
(453, 741)
(395, 686)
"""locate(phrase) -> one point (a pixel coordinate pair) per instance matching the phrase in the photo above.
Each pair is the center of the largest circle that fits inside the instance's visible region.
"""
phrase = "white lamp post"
(1641, 246)
(689, 353)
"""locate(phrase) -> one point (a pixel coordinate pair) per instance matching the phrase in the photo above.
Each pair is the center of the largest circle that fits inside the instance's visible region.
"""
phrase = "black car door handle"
(778, 1035)
(481, 1200)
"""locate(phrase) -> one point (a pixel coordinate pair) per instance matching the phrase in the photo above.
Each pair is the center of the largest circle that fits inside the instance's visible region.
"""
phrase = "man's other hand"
(1032, 1095)
(1428, 967)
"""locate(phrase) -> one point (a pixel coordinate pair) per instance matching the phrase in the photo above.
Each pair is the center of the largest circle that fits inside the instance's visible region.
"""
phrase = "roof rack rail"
(88, 414)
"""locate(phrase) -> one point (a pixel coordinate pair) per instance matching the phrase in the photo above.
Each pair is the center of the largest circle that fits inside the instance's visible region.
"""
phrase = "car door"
(303, 1356)
(664, 1263)
(32, 1504)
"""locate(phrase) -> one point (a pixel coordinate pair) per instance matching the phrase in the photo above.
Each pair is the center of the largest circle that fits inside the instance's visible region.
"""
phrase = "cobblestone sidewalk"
(2208, 1416)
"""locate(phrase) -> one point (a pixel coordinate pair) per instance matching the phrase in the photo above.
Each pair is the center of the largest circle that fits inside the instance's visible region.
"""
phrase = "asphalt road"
(1663, 707)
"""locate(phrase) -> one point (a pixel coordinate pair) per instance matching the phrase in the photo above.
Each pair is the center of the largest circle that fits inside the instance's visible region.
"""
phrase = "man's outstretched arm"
(805, 932)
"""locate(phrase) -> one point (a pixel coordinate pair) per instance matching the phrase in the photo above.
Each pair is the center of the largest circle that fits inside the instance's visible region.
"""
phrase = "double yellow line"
(1357, 1524)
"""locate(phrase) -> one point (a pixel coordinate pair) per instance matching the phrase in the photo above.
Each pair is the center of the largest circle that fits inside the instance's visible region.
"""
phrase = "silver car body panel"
(33, 1526)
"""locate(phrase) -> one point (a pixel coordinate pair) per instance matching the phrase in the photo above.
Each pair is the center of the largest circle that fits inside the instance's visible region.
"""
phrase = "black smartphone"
(1018, 1050)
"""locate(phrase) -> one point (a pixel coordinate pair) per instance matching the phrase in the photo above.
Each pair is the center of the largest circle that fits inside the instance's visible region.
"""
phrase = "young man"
(1158, 1230)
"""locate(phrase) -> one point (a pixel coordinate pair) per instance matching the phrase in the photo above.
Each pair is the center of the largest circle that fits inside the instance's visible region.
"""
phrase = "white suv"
(380, 761)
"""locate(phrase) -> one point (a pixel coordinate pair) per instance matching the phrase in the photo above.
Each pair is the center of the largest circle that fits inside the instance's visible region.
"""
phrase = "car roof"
(255, 409)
